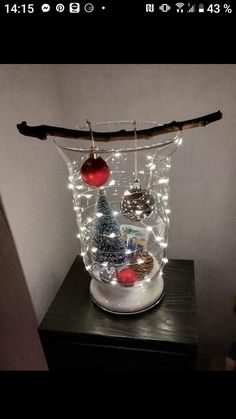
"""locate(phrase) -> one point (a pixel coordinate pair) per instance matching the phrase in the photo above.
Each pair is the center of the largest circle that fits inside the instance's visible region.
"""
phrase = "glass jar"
(123, 224)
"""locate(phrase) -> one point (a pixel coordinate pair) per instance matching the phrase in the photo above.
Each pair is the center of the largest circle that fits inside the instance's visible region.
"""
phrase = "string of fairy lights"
(158, 182)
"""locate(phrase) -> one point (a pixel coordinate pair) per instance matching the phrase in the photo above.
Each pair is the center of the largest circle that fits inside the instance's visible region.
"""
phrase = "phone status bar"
(112, 8)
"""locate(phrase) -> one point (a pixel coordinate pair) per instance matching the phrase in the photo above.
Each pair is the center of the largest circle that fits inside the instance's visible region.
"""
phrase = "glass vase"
(123, 224)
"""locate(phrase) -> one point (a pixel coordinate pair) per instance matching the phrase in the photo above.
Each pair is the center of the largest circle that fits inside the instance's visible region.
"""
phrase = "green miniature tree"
(106, 240)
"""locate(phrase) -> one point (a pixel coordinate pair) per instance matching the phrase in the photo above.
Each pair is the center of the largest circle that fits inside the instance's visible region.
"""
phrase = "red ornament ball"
(127, 277)
(95, 171)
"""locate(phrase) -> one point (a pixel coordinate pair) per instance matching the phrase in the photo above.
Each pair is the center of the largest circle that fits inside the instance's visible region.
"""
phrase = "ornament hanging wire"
(135, 153)
(137, 148)
(93, 148)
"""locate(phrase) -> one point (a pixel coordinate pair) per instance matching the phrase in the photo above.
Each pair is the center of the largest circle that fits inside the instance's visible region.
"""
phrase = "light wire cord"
(135, 153)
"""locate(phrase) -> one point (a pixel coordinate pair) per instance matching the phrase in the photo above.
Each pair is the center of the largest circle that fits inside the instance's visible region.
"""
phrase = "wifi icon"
(179, 7)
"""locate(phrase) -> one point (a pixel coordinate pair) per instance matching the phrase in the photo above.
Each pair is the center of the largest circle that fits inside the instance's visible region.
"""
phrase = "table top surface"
(172, 321)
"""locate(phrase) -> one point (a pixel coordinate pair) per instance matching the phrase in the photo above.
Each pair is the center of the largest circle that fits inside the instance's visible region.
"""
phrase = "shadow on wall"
(214, 328)
(20, 347)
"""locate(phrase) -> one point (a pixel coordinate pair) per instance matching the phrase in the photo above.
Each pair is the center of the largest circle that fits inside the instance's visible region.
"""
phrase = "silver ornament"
(138, 203)
(108, 273)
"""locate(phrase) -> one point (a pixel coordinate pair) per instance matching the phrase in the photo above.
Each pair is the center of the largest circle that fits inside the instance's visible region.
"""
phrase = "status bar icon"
(201, 8)
(180, 7)
(191, 8)
(164, 7)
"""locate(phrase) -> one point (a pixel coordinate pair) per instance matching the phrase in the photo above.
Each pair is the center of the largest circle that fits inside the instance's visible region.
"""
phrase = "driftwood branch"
(44, 131)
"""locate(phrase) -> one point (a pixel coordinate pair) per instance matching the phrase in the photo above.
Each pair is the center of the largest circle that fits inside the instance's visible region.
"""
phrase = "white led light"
(163, 180)
(168, 166)
(88, 195)
(128, 252)
(149, 157)
(82, 228)
(83, 253)
(140, 261)
(115, 212)
(165, 197)
(78, 235)
(152, 167)
(163, 245)
(70, 186)
(113, 282)
(179, 141)
(138, 212)
(112, 235)
(94, 249)
(76, 208)
(105, 264)
(99, 214)
(112, 182)
(79, 187)
(167, 211)
(165, 260)
(149, 228)
(158, 238)
(89, 220)
(117, 154)
(148, 279)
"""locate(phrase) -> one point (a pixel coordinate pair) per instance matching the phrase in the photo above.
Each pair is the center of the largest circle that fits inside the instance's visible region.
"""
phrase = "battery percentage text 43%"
(216, 8)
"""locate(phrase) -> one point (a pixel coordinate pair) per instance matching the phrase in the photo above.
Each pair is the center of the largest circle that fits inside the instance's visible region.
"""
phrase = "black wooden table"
(77, 335)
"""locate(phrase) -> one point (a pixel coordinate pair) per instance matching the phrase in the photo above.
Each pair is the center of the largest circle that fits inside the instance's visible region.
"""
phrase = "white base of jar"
(127, 300)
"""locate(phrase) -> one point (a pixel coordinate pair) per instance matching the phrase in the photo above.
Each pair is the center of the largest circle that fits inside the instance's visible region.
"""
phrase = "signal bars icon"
(192, 8)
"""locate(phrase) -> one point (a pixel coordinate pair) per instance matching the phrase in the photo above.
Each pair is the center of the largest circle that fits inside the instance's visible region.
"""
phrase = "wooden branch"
(43, 131)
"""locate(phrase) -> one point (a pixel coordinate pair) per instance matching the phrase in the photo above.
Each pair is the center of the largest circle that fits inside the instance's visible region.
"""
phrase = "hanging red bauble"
(127, 277)
(95, 171)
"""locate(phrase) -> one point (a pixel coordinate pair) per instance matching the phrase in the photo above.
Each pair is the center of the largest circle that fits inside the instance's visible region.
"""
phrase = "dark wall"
(20, 348)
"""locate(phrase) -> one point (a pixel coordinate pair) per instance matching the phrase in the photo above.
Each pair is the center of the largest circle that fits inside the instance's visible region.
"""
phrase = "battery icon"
(201, 8)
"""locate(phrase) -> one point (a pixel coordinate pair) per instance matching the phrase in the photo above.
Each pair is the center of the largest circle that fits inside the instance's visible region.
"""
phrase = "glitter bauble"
(127, 277)
(137, 203)
(108, 273)
(142, 263)
(95, 171)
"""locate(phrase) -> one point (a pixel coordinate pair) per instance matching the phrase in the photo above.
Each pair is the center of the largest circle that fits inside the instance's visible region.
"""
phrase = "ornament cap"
(94, 153)
(136, 185)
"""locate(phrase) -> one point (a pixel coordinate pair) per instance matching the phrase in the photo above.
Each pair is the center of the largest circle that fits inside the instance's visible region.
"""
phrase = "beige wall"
(203, 220)
(33, 188)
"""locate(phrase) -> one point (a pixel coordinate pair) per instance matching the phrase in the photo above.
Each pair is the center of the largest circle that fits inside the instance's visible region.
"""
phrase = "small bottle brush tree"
(106, 238)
